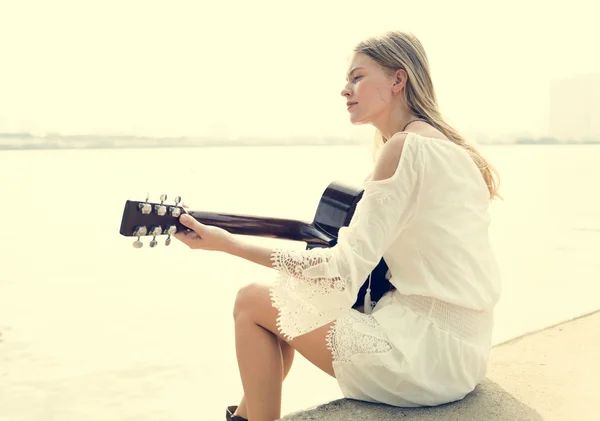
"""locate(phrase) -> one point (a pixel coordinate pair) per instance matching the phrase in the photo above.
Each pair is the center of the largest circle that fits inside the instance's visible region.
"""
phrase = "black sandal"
(229, 414)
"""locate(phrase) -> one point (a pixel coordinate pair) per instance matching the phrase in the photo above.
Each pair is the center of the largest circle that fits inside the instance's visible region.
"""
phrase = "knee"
(248, 299)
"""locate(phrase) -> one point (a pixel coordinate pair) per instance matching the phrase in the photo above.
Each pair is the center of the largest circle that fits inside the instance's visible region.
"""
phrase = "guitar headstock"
(149, 219)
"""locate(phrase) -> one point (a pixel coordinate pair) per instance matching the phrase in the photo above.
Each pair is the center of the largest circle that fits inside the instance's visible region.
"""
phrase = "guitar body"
(334, 211)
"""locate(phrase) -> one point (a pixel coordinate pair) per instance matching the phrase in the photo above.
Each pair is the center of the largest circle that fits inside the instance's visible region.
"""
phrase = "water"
(93, 328)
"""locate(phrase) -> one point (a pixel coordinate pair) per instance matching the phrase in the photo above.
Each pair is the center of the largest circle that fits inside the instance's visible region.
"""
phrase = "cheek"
(364, 92)
(371, 93)
(372, 97)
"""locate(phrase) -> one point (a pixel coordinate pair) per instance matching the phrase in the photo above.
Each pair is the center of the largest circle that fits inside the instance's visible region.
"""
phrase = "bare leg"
(287, 354)
(259, 352)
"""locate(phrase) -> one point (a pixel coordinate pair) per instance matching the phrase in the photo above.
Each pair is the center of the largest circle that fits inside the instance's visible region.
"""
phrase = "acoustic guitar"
(335, 210)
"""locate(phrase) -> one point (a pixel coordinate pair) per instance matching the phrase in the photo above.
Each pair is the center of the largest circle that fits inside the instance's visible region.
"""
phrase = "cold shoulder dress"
(426, 342)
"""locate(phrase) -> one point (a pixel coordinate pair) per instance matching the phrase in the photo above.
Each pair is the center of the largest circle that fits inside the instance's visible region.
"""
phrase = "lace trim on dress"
(465, 324)
(304, 301)
(344, 341)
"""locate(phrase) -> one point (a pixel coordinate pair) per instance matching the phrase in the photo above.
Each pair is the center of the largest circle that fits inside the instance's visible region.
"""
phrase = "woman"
(425, 210)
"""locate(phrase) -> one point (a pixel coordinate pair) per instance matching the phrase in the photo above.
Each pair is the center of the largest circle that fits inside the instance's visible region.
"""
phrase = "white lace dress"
(428, 341)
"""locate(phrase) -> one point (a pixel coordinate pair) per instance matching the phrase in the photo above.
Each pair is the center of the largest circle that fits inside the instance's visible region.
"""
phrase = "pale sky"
(274, 68)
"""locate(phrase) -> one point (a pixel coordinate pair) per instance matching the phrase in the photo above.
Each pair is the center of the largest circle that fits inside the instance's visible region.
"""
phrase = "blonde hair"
(396, 50)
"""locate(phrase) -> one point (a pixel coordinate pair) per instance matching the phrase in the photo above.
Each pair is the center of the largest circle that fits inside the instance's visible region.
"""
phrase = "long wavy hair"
(396, 50)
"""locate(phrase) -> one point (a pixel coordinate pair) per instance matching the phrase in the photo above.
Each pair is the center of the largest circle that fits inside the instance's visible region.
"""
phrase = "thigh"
(312, 345)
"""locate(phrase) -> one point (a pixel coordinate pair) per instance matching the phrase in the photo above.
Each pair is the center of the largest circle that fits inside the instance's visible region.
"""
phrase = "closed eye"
(355, 78)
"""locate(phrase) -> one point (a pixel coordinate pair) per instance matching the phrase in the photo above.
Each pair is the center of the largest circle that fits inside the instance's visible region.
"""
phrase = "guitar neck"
(257, 226)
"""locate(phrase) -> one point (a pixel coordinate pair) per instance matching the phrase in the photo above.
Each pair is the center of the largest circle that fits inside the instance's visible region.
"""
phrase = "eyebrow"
(353, 70)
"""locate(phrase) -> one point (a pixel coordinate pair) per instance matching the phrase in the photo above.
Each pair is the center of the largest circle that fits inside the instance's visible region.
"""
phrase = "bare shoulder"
(389, 157)
(427, 130)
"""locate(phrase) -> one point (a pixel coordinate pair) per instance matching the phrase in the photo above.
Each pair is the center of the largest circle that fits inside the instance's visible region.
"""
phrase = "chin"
(358, 121)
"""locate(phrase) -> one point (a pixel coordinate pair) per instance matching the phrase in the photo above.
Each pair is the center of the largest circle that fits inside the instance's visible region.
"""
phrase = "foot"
(230, 414)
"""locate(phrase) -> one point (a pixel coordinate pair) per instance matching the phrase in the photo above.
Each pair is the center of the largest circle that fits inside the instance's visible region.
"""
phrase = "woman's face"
(368, 90)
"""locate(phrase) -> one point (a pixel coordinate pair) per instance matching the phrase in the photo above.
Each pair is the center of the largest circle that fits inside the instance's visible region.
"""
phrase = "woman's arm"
(258, 254)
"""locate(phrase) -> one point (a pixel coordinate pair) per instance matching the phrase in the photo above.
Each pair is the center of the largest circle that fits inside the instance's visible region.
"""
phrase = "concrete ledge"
(487, 402)
(552, 375)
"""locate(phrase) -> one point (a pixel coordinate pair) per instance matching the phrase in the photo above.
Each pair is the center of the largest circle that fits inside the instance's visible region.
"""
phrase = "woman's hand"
(203, 237)
(206, 237)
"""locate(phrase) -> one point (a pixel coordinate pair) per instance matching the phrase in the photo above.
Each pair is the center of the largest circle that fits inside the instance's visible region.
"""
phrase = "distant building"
(575, 108)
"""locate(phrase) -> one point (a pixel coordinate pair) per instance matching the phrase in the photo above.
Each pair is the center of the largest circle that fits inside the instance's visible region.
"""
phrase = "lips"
(350, 104)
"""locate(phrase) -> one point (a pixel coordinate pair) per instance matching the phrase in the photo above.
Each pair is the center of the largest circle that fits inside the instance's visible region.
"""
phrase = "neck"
(395, 121)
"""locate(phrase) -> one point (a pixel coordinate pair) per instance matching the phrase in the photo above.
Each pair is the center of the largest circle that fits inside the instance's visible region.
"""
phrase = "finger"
(187, 237)
(182, 235)
(190, 222)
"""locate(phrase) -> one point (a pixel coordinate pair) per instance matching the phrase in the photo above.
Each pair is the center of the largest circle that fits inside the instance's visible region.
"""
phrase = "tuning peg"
(146, 207)
(139, 231)
(156, 230)
(175, 211)
(170, 231)
(161, 210)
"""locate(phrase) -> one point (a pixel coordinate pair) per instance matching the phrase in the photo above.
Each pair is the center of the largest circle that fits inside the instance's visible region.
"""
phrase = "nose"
(346, 92)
